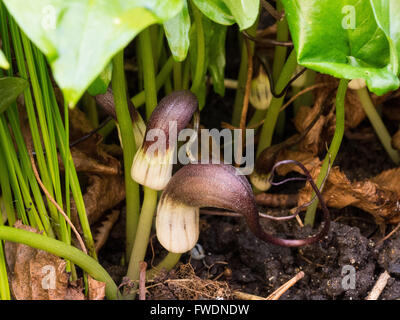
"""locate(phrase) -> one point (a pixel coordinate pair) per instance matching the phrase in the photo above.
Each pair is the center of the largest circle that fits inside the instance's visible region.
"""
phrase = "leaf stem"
(128, 141)
(377, 124)
(59, 248)
(143, 233)
(333, 148)
(149, 79)
(139, 99)
(170, 261)
(276, 103)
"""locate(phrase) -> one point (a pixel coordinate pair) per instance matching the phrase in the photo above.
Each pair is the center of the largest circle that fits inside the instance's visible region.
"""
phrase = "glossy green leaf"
(227, 12)
(177, 33)
(79, 37)
(3, 61)
(387, 16)
(343, 39)
(215, 10)
(10, 89)
(101, 83)
(245, 12)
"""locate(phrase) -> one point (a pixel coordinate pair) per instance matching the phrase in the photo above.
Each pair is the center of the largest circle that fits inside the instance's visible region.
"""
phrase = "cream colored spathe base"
(177, 225)
(153, 172)
(260, 182)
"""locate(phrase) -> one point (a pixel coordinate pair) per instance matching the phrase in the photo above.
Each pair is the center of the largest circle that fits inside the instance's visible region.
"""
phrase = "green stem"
(282, 34)
(6, 191)
(170, 261)
(89, 105)
(162, 76)
(378, 124)
(143, 233)
(333, 148)
(128, 141)
(177, 75)
(149, 79)
(62, 250)
(276, 103)
(4, 287)
(200, 54)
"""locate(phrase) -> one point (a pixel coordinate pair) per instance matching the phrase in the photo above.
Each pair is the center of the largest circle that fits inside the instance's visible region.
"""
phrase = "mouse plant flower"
(106, 101)
(152, 165)
(260, 92)
(214, 185)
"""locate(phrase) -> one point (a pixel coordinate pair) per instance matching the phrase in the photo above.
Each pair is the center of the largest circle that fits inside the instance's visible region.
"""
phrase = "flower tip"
(260, 93)
(177, 225)
(261, 182)
(152, 171)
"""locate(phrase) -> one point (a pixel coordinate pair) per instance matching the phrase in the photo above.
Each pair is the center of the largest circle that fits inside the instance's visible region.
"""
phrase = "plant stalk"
(377, 124)
(128, 141)
(276, 103)
(333, 148)
(59, 248)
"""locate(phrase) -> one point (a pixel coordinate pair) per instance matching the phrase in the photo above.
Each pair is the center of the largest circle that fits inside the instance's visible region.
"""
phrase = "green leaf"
(79, 37)
(3, 61)
(215, 37)
(227, 12)
(215, 10)
(177, 33)
(387, 16)
(245, 12)
(101, 83)
(214, 60)
(344, 40)
(10, 89)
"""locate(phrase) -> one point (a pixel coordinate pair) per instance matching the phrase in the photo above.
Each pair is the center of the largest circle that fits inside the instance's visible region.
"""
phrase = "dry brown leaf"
(322, 132)
(103, 232)
(89, 155)
(97, 289)
(313, 139)
(102, 194)
(378, 196)
(37, 274)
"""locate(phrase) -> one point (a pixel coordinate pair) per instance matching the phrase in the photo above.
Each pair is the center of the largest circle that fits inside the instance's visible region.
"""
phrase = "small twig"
(247, 296)
(142, 280)
(389, 234)
(239, 215)
(305, 90)
(265, 65)
(285, 287)
(91, 133)
(379, 286)
(271, 10)
(248, 85)
(267, 41)
(48, 195)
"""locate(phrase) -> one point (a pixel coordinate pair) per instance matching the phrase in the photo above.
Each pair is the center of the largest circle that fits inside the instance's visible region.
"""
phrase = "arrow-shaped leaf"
(79, 37)
(343, 38)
